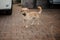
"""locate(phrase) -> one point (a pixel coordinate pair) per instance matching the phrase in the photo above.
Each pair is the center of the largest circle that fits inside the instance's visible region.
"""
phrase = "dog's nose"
(24, 14)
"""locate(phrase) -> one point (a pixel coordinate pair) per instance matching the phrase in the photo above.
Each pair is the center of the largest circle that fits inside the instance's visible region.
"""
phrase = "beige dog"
(30, 16)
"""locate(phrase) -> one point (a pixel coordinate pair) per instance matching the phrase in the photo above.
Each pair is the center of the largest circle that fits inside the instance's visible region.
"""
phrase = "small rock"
(38, 23)
(26, 26)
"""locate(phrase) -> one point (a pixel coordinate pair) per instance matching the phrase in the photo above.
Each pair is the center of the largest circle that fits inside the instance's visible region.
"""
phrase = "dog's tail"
(40, 9)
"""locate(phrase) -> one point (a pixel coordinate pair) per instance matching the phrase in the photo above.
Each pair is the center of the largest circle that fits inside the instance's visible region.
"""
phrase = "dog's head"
(24, 10)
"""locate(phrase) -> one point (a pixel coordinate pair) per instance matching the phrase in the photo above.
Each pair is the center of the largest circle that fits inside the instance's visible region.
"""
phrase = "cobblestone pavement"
(12, 27)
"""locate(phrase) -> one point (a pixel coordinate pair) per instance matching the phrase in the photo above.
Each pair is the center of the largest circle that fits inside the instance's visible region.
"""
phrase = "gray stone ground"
(12, 27)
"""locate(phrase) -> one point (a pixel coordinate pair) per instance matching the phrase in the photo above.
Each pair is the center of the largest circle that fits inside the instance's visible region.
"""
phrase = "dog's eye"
(33, 17)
